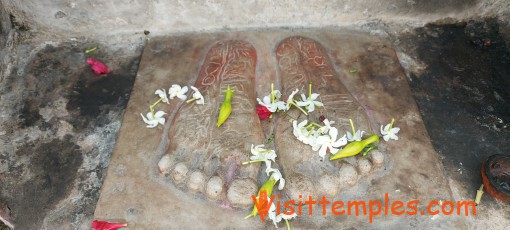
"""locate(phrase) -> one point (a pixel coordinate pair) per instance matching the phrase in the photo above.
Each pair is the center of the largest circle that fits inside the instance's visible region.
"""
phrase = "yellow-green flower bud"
(267, 188)
(354, 148)
(226, 107)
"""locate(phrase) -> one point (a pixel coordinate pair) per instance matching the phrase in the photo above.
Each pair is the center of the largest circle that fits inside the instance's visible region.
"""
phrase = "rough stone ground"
(59, 122)
(58, 128)
(464, 100)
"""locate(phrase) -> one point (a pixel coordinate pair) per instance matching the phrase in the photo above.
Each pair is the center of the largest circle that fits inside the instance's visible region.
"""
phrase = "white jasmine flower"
(290, 100)
(280, 217)
(271, 213)
(162, 94)
(310, 102)
(329, 142)
(299, 129)
(304, 135)
(153, 121)
(177, 91)
(356, 137)
(272, 106)
(277, 176)
(197, 96)
(277, 94)
(327, 125)
(262, 155)
(389, 132)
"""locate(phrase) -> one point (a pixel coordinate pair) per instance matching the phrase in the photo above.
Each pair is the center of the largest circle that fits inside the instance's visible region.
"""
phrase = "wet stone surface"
(58, 126)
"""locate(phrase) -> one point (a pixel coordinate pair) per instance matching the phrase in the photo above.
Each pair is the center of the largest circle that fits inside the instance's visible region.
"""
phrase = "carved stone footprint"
(203, 158)
(300, 61)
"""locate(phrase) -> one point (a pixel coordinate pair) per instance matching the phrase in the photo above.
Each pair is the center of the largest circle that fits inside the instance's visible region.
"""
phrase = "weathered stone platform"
(135, 191)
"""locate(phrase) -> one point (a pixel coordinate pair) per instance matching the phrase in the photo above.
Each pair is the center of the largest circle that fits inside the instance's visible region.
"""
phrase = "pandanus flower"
(264, 205)
(356, 147)
(226, 106)
(262, 201)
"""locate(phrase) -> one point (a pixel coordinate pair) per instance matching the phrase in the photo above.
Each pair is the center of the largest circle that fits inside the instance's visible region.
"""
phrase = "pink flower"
(263, 112)
(97, 66)
(104, 225)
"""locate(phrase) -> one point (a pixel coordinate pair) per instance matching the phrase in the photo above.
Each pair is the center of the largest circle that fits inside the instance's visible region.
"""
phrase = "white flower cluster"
(324, 139)
(180, 92)
(260, 154)
(273, 104)
(154, 118)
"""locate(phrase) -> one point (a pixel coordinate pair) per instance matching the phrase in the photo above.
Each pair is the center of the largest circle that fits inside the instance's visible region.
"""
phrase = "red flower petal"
(104, 225)
(263, 112)
(97, 66)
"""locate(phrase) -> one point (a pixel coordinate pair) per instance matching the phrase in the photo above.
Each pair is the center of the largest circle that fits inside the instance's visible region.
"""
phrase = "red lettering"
(337, 205)
(371, 211)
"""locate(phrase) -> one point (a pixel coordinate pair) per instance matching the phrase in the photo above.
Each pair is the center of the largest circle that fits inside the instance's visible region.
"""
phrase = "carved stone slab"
(203, 185)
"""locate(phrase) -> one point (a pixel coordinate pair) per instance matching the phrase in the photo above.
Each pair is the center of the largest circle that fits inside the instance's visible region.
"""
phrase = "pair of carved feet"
(203, 158)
